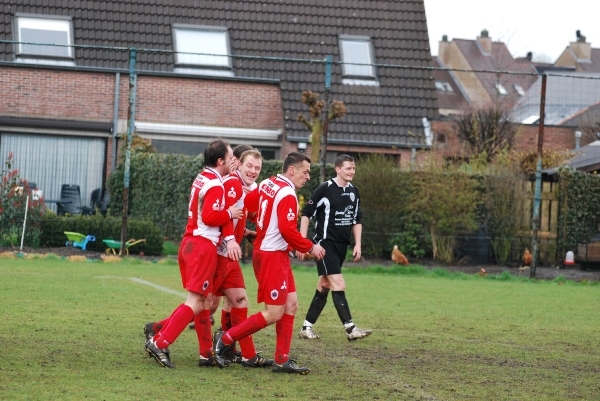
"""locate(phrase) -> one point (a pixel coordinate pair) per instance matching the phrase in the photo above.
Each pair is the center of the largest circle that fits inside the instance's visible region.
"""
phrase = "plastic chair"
(70, 200)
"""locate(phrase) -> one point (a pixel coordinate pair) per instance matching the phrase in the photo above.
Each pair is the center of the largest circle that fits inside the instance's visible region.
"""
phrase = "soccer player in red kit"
(229, 280)
(198, 256)
(276, 205)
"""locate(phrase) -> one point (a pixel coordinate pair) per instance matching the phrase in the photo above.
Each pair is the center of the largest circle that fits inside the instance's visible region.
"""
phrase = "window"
(443, 86)
(501, 89)
(54, 30)
(202, 48)
(357, 56)
(519, 90)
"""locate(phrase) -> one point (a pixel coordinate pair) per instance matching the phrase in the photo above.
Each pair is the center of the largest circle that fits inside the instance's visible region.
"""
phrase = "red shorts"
(273, 272)
(197, 264)
(228, 275)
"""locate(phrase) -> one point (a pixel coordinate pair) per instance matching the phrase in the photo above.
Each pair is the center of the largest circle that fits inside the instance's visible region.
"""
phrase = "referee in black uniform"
(335, 205)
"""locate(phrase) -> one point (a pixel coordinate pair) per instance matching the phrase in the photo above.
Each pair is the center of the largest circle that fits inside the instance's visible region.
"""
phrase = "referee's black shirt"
(336, 210)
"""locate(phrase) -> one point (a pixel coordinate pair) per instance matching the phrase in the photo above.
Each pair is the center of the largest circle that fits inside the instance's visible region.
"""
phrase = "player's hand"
(318, 252)
(234, 166)
(357, 253)
(250, 236)
(300, 255)
(233, 250)
(236, 212)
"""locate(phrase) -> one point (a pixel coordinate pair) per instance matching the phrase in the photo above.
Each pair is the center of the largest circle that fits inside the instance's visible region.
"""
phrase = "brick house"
(205, 69)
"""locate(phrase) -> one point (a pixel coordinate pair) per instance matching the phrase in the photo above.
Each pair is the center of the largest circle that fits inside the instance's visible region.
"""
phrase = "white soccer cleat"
(358, 333)
(308, 333)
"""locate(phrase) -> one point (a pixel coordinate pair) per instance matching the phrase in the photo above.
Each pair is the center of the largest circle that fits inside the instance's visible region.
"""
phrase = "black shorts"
(335, 253)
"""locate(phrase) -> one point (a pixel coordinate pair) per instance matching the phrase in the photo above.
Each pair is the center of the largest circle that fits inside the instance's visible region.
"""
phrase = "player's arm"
(287, 211)
(212, 216)
(357, 231)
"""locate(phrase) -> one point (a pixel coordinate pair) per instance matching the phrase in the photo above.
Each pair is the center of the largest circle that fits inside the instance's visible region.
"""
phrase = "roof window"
(43, 37)
(202, 49)
(357, 58)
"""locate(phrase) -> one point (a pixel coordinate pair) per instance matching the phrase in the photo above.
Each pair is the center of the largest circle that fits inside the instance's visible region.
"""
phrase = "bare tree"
(486, 131)
(314, 122)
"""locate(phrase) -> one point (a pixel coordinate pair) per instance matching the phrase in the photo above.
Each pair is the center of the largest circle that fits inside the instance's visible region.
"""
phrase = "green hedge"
(53, 228)
(160, 186)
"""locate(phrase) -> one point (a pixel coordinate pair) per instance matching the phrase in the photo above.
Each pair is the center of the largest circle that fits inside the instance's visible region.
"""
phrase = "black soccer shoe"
(213, 361)
(257, 362)
(161, 355)
(289, 366)
(220, 348)
(149, 330)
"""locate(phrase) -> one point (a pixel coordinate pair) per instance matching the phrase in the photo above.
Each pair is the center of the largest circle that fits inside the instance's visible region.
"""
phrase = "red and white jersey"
(276, 205)
(234, 196)
(206, 210)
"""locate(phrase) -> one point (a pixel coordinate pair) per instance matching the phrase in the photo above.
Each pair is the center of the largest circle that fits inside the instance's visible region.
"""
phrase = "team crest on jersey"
(291, 216)
(310, 202)
(205, 285)
(217, 205)
(352, 196)
(274, 294)
(231, 193)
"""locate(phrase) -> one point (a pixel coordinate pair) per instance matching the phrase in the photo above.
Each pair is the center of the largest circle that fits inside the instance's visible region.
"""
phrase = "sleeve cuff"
(228, 238)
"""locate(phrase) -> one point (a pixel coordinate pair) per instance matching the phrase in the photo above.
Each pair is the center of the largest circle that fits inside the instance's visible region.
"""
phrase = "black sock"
(317, 305)
(341, 305)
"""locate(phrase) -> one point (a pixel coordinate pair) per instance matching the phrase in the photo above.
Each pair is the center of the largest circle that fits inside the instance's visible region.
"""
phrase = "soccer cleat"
(161, 355)
(206, 362)
(257, 362)
(149, 330)
(357, 334)
(289, 366)
(308, 333)
(192, 326)
(220, 348)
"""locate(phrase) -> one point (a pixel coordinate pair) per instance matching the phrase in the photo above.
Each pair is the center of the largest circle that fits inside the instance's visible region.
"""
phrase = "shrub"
(13, 196)
(53, 228)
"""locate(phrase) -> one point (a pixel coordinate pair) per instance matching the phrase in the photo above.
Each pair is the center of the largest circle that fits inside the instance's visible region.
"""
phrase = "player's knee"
(241, 302)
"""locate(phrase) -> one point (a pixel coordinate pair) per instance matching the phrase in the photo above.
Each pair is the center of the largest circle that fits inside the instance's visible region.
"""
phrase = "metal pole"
(115, 122)
(130, 129)
(24, 221)
(328, 61)
(538, 181)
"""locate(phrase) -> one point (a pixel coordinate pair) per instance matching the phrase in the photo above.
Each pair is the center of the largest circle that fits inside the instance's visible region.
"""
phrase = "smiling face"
(346, 172)
(249, 168)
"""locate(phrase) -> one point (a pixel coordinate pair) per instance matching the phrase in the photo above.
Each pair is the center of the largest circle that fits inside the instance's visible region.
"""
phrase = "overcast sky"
(542, 27)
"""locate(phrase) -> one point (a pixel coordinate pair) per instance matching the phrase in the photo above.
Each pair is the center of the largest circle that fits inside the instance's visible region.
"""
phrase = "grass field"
(73, 330)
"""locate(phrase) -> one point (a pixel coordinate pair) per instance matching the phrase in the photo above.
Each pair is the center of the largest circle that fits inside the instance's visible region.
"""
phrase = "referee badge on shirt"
(274, 294)
(352, 196)
(291, 216)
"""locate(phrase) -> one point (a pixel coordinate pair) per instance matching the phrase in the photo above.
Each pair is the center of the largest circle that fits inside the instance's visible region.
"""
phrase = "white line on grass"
(158, 287)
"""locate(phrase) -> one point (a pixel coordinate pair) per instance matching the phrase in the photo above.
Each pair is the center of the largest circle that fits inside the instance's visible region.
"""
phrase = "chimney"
(485, 42)
(443, 49)
(529, 56)
(581, 49)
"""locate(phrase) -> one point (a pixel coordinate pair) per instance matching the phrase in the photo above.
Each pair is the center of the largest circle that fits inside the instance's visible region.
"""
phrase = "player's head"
(296, 167)
(250, 165)
(344, 167)
(237, 153)
(218, 155)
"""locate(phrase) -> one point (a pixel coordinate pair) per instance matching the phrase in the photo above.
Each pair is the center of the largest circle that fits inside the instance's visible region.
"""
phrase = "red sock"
(203, 331)
(225, 320)
(238, 315)
(284, 329)
(182, 316)
(246, 328)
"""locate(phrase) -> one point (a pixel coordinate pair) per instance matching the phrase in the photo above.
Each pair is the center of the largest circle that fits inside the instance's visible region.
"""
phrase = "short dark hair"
(339, 161)
(294, 158)
(238, 150)
(215, 150)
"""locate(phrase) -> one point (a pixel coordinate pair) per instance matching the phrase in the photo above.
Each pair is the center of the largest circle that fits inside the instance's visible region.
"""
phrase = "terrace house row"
(206, 69)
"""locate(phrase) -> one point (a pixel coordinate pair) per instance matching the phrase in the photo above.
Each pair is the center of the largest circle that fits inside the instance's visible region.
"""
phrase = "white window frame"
(353, 73)
(185, 62)
(58, 23)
